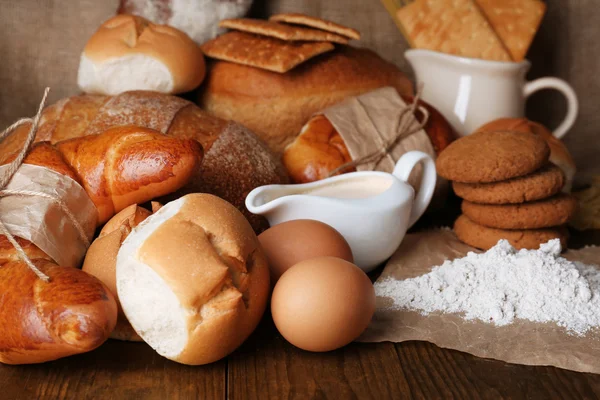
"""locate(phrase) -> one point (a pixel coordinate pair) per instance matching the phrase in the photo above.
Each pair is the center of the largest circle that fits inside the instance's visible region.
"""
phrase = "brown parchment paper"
(368, 122)
(523, 342)
(42, 221)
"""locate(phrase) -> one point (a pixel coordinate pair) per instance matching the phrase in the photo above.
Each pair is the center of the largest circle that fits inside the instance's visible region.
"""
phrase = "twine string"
(12, 169)
(404, 128)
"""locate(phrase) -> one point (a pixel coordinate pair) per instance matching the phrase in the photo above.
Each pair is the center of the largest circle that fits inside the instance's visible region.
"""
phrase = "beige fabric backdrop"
(40, 42)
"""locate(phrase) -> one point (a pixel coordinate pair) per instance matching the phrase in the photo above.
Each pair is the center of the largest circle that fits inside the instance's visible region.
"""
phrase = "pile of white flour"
(503, 284)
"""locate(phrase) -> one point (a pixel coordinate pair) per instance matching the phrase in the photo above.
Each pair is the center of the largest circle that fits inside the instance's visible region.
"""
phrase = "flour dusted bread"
(275, 106)
(131, 53)
(193, 280)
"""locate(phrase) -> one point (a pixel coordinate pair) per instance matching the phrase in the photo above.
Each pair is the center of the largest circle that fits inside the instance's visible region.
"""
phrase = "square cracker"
(451, 26)
(262, 51)
(515, 21)
(281, 31)
(318, 23)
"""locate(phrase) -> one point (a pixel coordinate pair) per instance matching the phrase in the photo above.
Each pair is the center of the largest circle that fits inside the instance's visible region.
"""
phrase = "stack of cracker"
(499, 30)
(279, 44)
(509, 188)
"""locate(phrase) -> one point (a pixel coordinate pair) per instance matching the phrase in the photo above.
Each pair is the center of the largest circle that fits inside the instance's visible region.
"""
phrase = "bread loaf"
(101, 260)
(235, 160)
(193, 280)
(276, 106)
(71, 314)
(319, 148)
(130, 53)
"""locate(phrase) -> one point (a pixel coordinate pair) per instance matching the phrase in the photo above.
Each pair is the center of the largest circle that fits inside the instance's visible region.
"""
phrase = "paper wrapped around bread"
(359, 126)
(235, 160)
(559, 154)
(93, 177)
(193, 280)
(275, 106)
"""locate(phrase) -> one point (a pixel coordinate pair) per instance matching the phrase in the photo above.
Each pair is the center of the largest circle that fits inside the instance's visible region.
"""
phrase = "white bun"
(131, 53)
(192, 279)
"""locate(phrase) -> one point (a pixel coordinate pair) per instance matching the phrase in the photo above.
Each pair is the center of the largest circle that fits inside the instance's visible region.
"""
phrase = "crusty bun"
(101, 260)
(131, 53)
(319, 149)
(276, 106)
(559, 154)
(193, 280)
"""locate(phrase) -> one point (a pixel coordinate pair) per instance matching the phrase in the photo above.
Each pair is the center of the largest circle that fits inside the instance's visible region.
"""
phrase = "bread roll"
(130, 53)
(193, 280)
(101, 260)
(559, 154)
(319, 148)
(235, 160)
(72, 314)
(276, 106)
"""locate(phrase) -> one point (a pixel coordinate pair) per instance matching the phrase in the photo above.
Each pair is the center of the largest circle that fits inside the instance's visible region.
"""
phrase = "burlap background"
(40, 42)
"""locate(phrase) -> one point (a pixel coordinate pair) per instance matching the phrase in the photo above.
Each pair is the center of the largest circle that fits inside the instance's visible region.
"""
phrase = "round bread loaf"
(275, 106)
(129, 52)
(559, 154)
(193, 280)
(235, 160)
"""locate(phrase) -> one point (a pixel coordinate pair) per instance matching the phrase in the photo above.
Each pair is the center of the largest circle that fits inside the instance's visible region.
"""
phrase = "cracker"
(281, 31)
(318, 23)
(453, 27)
(515, 22)
(262, 51)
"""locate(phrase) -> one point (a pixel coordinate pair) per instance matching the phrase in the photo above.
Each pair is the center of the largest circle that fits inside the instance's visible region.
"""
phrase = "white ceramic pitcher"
(371, 209)
(471, 92)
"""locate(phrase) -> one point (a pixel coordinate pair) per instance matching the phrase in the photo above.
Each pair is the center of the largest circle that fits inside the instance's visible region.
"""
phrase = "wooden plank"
(432, 372)
(268, 367)
(116, 370)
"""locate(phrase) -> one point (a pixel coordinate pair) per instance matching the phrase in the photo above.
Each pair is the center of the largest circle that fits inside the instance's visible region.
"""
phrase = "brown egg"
(290, 242)
(323, 303)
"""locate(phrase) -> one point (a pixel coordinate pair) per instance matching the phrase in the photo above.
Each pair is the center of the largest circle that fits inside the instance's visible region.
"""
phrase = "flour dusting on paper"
(504, 284)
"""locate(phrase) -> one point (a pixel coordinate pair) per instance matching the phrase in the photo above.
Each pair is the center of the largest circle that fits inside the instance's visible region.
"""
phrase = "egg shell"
(291, 242)
(322, 304)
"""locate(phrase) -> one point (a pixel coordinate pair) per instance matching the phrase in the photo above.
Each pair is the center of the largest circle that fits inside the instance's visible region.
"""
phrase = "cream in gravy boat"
(372, 210)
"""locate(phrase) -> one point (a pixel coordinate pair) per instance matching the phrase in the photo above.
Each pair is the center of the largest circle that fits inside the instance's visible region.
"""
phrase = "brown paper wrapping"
(523, 342)
(42, 221)
(368, 122)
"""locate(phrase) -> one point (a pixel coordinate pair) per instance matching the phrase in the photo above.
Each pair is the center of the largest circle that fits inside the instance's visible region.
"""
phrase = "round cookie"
(492, 156)
(541, 184)
(553, 211)
(485, 238)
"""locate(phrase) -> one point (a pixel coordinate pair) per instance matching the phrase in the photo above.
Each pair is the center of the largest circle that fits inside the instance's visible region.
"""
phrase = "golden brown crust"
(318, 23)
(554, 211)
(485, 157)
(281, 31)
(276, 106)
(540, 184)
(485, 238)
(117, 171)
(263, 52)
(73, 313)
(125, 35)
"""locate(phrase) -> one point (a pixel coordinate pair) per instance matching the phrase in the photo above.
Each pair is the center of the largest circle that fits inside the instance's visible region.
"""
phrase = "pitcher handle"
(567, 91)
(402, 171)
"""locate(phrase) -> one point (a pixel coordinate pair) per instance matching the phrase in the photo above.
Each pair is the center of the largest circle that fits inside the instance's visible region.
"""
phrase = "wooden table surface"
(267, 367)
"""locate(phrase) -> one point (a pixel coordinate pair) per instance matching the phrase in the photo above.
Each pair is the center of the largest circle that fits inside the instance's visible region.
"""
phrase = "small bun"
(130, 53)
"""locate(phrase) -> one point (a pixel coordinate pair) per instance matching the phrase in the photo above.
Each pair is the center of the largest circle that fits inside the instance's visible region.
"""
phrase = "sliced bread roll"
(193, 280)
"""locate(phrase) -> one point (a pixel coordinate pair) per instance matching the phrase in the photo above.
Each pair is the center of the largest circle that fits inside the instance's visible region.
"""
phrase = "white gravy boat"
(372, 210)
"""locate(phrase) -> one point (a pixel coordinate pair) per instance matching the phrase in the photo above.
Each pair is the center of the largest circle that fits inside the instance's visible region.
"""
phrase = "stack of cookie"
(509, 188)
